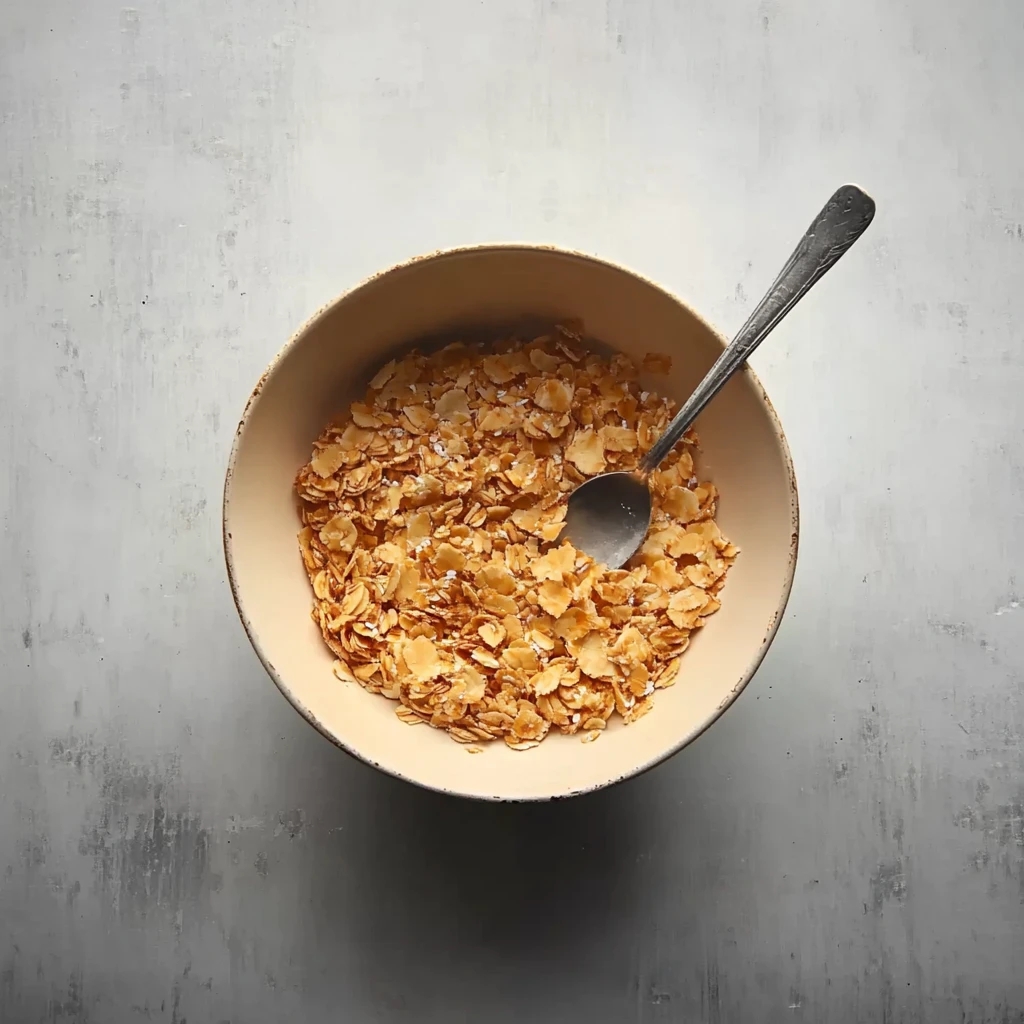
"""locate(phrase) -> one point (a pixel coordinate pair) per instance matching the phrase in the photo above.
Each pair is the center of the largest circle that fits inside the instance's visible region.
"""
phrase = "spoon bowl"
(609, 516)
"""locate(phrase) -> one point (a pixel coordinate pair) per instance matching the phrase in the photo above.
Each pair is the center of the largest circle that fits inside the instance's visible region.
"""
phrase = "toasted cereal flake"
(593, 658)
(339, 533)
(485, 658)
(550, 531)
(474, 684)
(631, 649)
(328, 460)
(343, 672)
(361, 479)
(492, 633)
(528, 724)
(666, 676)
(453, 406)
(543, 360)
(418, 528)
(521, 744)
(554, 597)
(500, 604)
(665, 575)
(546, 681)
(541, 639)
(554, 395)
(521, 655)
(496, 421)
(409, 716)
(513, 627)
(430, 523)
(527, 519)
(555, 564)
(685, 605)
(523, 472)
(383, 375)
(389, 554)
(449, 559)
(422, 659)
(495, 576)
(700, 575)
(356, 439)
(682, 503)
(618, 439)
(408, 583)
(586, 451)
(655, 362)
(574, 624)
(363, 416)
(497, 369)
(418, 419)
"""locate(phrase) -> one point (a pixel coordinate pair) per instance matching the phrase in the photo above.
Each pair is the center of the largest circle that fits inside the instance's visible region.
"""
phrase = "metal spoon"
(609, 516)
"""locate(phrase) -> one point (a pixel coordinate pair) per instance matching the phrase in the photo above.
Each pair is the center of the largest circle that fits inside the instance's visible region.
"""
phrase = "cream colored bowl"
(327, 364)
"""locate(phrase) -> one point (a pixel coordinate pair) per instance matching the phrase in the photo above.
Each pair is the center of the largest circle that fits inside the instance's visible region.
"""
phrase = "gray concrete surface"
(181, 183)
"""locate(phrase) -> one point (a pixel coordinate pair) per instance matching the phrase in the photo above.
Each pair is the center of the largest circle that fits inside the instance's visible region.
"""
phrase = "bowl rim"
(439, 254)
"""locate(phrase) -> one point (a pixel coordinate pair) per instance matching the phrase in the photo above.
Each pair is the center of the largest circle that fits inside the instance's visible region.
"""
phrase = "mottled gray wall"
(181, 183)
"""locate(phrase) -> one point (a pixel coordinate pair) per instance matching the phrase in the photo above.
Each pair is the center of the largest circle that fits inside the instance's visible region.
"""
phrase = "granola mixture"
(431, 516)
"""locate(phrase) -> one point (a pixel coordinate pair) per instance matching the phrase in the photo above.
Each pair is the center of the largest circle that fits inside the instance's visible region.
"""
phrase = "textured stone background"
(181, 183)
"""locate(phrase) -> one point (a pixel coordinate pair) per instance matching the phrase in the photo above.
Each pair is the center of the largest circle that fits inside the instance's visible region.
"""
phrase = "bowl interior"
(488, 289)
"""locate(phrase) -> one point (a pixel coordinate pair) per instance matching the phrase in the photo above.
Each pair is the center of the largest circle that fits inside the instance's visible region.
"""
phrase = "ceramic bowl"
(483, 289)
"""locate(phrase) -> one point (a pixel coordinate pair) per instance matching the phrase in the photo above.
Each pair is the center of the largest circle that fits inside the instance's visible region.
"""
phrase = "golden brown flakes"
(593, 657)
(528, 724)
(554, 597)
(431, 516)
(496, 421)
(496, 576)
(453, 406)
(665, 575)
(383, 375)
(574, 624)
(521, 744)
(655, 362)
(554, 395)
(586, 452)
(500, 604)
(339, 533)
(408, 584)
(343, 672)
(328, 460)
(363, 416)
(496, 369)
(522, 656)
(485, 657)
(555, 564)
(618, 439)
(545, 681)
(449, 558)
(356, 439)
(682, 504)
(421, 658)
(685, 607)
(492, 634)
(475, 684)
(543, 360)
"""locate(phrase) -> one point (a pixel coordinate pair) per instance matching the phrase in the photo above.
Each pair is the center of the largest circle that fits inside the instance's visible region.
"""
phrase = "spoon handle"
(841, 222)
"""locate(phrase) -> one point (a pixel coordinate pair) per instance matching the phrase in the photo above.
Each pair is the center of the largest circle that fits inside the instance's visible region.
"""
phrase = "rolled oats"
(431, 516)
